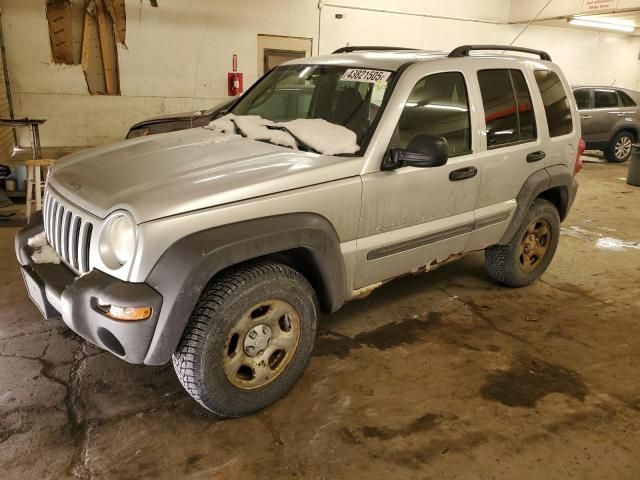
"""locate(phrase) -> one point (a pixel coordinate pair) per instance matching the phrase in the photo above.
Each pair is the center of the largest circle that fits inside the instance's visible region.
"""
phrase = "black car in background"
(277, 106)
(179, 121)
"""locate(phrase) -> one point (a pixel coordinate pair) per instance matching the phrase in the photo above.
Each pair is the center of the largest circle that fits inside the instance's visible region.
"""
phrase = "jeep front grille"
(68, 231)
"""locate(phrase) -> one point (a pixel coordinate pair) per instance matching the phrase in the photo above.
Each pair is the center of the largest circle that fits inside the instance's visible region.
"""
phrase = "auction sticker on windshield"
(364, 75)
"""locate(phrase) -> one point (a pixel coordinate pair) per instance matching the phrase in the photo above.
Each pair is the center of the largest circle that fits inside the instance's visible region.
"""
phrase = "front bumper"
(57, 292)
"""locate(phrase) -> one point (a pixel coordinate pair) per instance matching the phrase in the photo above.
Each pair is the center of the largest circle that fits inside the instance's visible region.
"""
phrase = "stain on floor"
(391, 335)
(528, 380)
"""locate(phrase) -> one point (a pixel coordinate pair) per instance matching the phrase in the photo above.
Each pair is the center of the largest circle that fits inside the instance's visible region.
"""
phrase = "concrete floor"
(443, 375)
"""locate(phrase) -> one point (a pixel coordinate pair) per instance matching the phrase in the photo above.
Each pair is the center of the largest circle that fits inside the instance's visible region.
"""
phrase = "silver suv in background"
(609, 118)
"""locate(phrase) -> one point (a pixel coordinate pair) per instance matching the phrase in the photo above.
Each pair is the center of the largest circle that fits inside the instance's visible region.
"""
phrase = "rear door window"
(507, 107)
(626, 99)
(583, 98)
(605, 98)
(525, 107)
(555, 101)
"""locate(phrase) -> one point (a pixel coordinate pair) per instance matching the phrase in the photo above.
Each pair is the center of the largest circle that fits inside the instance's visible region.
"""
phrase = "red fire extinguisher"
(234, 79)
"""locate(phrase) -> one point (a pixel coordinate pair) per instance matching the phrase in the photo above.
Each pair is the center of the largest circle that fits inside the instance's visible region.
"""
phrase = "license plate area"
(35, 289)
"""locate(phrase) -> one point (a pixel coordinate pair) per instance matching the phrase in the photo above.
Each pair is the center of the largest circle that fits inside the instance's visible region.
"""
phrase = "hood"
(173, 173)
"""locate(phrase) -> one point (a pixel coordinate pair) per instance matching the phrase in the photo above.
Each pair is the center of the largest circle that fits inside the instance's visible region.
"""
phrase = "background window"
(605, 98)
(582, 98)
(438, 105)
(626, 99)
(507, 107)
(556, 103)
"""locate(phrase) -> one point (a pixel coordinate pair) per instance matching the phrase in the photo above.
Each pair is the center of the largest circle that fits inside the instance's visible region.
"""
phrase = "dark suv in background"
(609, 119)
(281, 105)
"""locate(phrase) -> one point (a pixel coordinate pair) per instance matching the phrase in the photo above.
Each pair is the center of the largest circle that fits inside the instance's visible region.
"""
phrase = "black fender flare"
(185, 268)
(555, 177)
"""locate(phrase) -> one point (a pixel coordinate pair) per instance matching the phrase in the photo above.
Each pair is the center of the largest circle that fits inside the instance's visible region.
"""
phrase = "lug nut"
(250, 349)
(260, 352)
(253, 334)
(265, 329)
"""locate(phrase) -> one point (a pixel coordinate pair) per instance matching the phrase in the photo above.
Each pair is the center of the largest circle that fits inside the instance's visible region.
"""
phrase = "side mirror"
(422, 151)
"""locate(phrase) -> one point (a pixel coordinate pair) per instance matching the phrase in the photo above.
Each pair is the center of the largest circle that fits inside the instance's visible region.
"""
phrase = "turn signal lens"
(126, 313)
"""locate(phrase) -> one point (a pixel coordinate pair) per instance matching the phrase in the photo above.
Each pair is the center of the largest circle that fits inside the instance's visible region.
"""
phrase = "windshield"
(343, 96)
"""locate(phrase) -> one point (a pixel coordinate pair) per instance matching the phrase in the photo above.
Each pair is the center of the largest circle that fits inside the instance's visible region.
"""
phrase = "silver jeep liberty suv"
(218, 246)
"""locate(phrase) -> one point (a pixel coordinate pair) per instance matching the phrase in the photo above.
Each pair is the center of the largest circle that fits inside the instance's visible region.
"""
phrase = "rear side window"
(438, 105)
(605, 98)
(524, 105)
(582, 98)
(626, 99)
(556, 103)
(507, 107)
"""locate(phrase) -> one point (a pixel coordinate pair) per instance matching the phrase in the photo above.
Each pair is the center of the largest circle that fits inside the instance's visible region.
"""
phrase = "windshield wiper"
(237, 129)
(301, 143)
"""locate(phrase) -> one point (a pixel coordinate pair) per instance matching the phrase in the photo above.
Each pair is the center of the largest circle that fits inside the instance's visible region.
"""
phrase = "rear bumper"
(573, 191)
(58, 293)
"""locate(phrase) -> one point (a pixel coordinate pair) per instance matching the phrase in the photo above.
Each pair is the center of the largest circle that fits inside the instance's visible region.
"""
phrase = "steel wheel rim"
(622, 148)
(534, 245)
(261, 344)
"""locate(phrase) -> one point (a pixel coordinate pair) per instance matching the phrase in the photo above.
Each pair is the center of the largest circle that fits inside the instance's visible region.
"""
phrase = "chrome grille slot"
(74, 235)
(68, 231)
(66, 223)
(44, 210)
(57, 227)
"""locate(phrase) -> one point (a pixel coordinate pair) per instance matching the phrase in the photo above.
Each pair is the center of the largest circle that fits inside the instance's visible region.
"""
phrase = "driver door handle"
(586, 117)
(462, 173)
(536, 156)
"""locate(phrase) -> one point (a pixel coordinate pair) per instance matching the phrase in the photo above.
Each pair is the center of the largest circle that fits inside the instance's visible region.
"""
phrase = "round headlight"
(117, 240)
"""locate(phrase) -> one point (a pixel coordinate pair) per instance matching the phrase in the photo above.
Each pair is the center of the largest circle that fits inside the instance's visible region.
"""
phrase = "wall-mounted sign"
(598, 5)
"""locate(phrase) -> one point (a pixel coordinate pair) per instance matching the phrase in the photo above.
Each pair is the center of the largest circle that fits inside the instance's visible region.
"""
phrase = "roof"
(392, 58)
(385, 60)
(605, 87)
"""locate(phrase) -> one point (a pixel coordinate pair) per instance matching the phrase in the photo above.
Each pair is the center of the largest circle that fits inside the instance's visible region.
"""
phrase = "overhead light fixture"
(584, 22)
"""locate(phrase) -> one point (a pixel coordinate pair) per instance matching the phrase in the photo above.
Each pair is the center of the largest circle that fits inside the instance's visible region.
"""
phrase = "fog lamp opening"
(126, 313)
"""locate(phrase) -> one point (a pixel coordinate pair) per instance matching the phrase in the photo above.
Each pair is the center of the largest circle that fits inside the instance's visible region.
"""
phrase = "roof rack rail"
(463, 51)
(371, 48)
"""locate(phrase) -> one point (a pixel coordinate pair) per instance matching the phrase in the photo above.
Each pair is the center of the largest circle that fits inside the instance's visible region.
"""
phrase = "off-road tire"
(198, 360)
(502, 261)
(609, 153)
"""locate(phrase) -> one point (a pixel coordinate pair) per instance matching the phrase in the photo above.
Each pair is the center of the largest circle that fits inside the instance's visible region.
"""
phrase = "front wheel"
(249, 339)
(620, 148)
(526, 257)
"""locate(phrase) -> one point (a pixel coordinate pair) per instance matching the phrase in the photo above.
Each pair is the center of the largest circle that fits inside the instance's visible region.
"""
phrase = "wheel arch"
(555, 184)
(625, 128)
(306, 242)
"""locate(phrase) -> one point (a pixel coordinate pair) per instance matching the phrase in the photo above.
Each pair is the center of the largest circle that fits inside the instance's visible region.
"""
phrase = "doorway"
(276, 49)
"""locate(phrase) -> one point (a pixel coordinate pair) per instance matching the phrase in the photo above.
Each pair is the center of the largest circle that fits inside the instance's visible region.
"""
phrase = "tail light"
(581, 148)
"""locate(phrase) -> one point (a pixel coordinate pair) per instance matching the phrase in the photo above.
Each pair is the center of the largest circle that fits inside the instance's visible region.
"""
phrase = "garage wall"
(523, 10)
(161, 67)
(372, 23)
(183, 50)
(587, 57)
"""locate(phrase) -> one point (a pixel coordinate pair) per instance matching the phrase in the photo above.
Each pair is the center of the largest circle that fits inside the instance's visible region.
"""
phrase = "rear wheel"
(620, 147)
(526, 257)
(249, 340)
